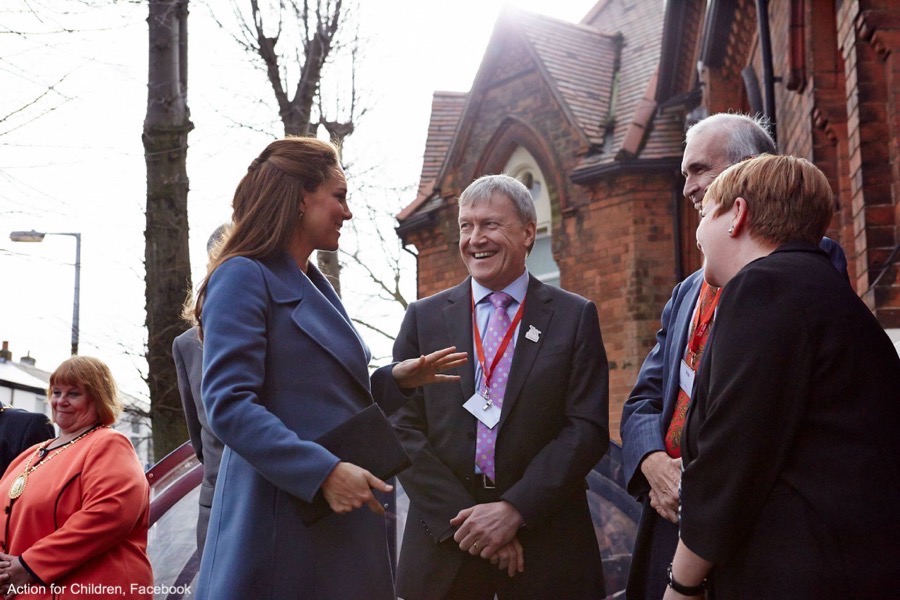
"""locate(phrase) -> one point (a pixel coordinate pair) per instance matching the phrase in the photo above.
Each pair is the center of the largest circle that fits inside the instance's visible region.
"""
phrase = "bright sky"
(80, 167)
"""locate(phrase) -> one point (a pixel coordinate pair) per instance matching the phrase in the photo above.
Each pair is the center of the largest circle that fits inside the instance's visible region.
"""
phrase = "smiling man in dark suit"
(497, 483)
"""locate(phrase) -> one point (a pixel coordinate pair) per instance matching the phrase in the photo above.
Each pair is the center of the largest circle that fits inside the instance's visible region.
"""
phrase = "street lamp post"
(37, 236)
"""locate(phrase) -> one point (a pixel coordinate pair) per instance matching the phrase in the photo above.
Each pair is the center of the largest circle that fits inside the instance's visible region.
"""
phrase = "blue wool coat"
(282, 365)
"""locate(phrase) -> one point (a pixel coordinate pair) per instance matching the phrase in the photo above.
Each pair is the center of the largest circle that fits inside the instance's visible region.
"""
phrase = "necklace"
(18, 485)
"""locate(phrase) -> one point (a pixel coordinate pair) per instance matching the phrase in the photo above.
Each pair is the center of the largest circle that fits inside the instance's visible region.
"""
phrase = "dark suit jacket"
(19, 430)
(187, 352)
(792, 481)
(553, 430)
(645, 418)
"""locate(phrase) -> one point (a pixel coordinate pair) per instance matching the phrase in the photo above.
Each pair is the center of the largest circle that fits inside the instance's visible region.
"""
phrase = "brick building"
(591, 117)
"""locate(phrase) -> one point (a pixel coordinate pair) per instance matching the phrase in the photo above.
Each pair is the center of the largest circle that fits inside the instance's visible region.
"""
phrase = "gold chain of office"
(18, 485)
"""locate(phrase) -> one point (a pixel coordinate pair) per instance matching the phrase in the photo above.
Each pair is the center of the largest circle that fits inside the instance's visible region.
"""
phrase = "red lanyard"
(708, 300)
(479, 347)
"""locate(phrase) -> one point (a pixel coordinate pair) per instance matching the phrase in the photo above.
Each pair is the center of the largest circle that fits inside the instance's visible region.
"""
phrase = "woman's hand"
(416, 372)
(5, 562)
(12, 573)
(348, 487)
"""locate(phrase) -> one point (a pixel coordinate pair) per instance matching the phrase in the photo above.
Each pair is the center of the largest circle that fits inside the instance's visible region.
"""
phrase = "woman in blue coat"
(282, 365)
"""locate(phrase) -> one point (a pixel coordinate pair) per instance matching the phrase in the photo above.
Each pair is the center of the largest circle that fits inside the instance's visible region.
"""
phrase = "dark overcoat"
(791, 480)
(20, 430)
(187, 352)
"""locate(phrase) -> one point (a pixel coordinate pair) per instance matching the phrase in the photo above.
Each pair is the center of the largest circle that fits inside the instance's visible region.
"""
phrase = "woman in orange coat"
(75, 519)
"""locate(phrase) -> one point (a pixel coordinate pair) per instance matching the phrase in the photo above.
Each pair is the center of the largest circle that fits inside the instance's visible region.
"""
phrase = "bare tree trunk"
(329, 262)
(167, 260)
(331, 268)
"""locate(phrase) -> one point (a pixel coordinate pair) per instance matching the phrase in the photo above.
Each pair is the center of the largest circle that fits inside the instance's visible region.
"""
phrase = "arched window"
(523, 167)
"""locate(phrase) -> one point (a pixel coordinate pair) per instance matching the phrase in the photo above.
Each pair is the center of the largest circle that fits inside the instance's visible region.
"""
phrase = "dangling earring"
(300, 217)
(731, 230)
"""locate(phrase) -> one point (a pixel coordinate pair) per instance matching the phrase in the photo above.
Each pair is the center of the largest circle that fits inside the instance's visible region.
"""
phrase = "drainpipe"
(677, 199)
(765, 46)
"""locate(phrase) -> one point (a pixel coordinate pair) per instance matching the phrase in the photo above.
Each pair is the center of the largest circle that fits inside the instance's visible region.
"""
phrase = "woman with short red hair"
(76, 512)
(791, 480)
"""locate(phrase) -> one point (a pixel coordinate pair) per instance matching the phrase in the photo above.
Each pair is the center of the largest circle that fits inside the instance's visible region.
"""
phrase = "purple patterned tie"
(497, 327)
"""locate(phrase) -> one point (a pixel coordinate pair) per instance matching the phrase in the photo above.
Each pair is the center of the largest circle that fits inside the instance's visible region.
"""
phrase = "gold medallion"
(18, 486)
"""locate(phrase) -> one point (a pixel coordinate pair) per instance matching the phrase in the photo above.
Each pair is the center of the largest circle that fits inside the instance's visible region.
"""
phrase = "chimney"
(5, 354)
(27, 359)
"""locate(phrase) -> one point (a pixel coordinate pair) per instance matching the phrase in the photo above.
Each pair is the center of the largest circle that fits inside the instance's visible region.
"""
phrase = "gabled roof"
(446, 108)
(17, 376)
(575, 60)
(640, 133)
(602, 72)
(579, 63)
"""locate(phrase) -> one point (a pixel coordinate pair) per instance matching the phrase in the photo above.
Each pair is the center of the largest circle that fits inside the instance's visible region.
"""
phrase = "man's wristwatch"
(685, 590)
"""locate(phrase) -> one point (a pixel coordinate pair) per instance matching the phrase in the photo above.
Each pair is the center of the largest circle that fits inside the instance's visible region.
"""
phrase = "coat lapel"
(318, 313)
(537, 314)
(683, 323)
(686, 310)
(322, 284)
(458, 325)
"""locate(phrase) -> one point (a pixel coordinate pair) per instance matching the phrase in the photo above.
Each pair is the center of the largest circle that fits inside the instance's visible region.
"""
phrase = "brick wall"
(842, 114)
(868, 42)
(618, 251)
(614, 240)
(439, 265)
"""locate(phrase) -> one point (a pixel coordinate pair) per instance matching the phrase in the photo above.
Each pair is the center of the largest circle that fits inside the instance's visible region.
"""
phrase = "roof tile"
(446, 109)
(579, 61)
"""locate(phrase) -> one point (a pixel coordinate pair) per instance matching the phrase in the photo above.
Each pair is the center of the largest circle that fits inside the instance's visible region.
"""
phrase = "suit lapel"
(537, 314)
(679, 334)
(458, 325)
(683, 322)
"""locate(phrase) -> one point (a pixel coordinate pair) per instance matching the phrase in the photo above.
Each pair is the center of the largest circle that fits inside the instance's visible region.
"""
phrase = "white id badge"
(686, 378)
(485, 411)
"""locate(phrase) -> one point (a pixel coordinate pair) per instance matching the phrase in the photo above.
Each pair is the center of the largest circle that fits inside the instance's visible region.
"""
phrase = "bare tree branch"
(50, 89)
(392, 291)
(371, 327)
(311, 36)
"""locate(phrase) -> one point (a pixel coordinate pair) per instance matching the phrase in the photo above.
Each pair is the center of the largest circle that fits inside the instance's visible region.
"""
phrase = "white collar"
(516, 289)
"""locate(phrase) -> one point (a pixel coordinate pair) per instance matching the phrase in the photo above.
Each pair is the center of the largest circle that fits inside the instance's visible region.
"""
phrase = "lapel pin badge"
(533, 334)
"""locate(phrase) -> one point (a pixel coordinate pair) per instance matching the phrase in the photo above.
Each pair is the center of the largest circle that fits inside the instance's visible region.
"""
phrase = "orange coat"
(81, 524)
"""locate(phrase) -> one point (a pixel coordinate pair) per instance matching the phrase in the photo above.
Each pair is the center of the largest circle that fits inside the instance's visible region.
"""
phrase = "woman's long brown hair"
(267, 200)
